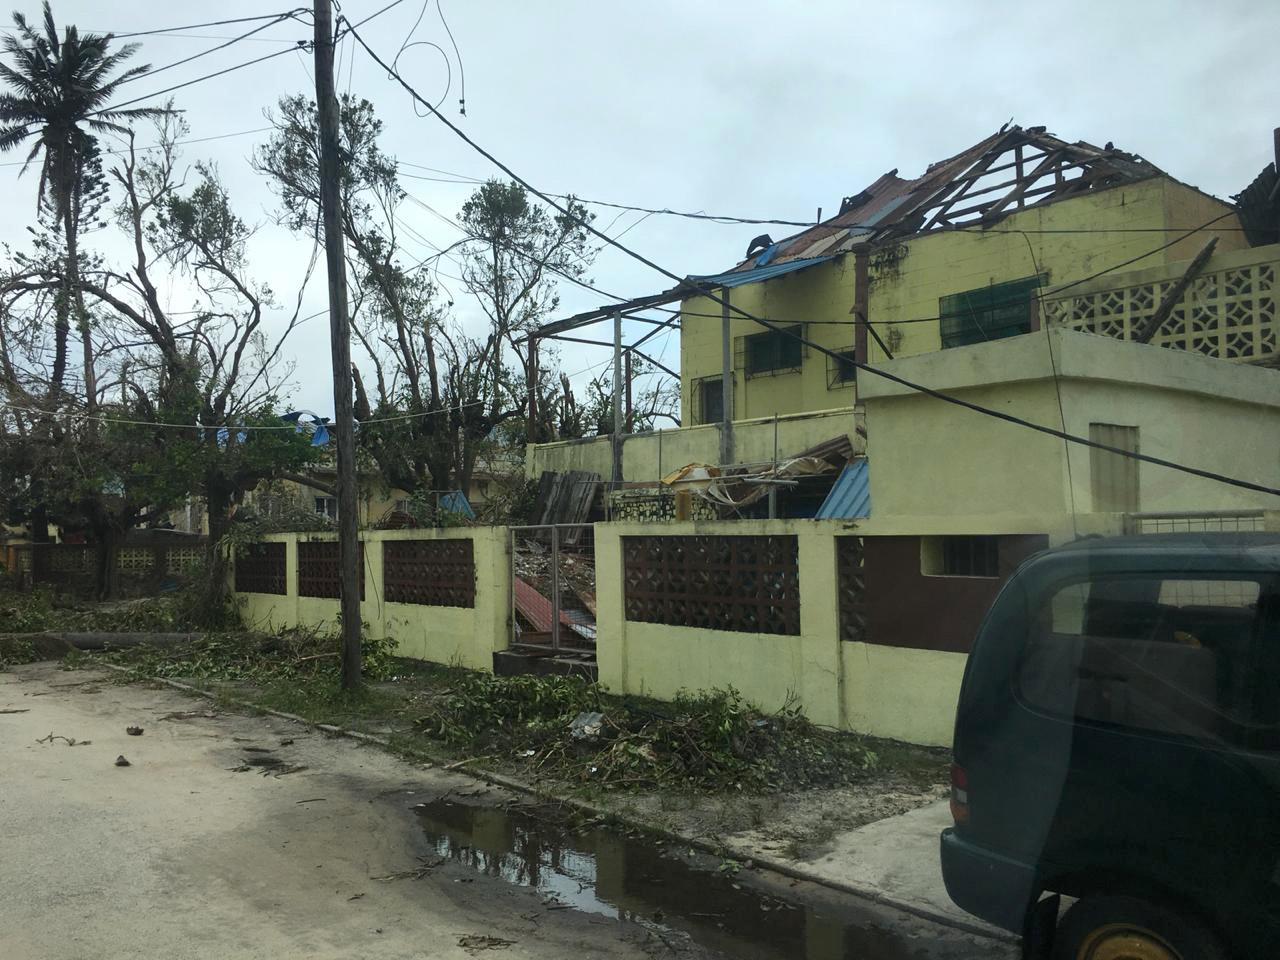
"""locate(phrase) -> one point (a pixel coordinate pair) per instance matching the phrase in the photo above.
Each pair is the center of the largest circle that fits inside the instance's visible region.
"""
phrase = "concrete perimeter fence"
(442, 595)
(780, 610)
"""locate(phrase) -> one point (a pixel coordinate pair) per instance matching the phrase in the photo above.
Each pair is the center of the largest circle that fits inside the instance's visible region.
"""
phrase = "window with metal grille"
(771, 352)
(707, 399)
(260, 568)
(711, 397)
(988, 313)
(744, 584)
(435, 573)
(960, 556)
(327, 507)
(841, 369)
(318, 574)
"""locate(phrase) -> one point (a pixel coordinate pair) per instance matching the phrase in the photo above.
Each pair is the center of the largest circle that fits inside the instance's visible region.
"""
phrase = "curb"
(520, 786)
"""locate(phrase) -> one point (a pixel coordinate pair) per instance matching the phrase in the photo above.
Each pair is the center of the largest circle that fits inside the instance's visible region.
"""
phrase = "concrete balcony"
(1229, 310)
(646, 457)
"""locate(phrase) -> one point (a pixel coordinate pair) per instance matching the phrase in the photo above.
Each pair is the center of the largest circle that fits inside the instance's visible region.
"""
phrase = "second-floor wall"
(924, 291)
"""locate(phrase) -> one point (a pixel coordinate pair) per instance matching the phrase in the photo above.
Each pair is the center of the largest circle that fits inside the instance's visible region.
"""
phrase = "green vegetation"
(562, 728)
(567, 728)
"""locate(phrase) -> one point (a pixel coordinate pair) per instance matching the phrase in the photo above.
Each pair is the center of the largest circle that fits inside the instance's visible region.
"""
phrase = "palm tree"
(59, 91)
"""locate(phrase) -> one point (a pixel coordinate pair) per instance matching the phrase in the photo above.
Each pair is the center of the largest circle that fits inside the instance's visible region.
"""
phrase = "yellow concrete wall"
(908, 280)
(648, 456)
(1190, 409)
(899, 693)
(463, 636)
(769, 670)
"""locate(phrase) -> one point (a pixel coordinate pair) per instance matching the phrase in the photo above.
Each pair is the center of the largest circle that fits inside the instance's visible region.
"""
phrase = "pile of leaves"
(567, 728)
(296, 656)
(29, 612)
(41, 609)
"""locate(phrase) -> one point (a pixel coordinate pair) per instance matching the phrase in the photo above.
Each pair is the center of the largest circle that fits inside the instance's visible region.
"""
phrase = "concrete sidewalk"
(893, 861)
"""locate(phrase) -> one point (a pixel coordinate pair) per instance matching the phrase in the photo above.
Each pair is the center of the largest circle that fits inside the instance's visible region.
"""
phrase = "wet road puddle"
(599, 869)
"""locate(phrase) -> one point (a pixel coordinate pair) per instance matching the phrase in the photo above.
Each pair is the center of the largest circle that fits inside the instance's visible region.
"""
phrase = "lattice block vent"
(435, 573)
(318, 569)
(260, 568)
(747, 584)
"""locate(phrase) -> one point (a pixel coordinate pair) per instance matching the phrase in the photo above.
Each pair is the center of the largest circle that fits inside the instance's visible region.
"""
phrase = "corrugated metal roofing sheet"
(756, 274)
(850, 495)
(894, 204)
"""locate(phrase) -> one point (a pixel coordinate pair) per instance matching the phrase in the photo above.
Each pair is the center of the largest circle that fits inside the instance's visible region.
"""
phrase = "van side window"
(1189, 657)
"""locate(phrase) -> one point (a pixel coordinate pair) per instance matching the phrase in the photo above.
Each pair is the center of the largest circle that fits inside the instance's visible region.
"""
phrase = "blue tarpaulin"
(457, 502)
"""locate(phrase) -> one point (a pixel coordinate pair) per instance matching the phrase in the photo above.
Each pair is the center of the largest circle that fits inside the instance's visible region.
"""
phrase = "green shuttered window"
(988, 313)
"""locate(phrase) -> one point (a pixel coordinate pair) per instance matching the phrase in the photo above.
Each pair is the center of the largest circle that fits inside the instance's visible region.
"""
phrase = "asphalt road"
(196, 851)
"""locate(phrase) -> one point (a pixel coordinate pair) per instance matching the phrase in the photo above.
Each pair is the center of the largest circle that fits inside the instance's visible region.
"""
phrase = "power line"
(301, 44)
(861, 365)
(98, 418)
(298, 45)
(222, 46)
(212, 23)
(160, 146)
(450, 176)
(351, 27)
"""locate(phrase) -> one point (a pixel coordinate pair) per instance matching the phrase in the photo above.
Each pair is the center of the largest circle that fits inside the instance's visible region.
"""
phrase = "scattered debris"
(474, 942)
(133, 731)
(70, 741)
(457, 764)
(256, 749)
(587, 726)
(286, 743)
(313, 800)
(426, 865)
(356, 896)
(17, 710)
(243, 768)
(122, 762)
(711, 740)
(184, 715)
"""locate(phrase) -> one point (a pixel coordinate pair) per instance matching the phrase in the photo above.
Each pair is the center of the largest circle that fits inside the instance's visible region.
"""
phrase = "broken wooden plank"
(1174, 296)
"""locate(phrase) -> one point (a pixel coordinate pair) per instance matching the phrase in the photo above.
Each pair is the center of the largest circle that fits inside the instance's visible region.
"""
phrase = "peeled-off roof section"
(1008, 171)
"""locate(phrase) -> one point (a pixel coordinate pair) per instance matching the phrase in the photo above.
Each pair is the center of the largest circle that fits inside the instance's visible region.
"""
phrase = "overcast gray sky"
(747, 108)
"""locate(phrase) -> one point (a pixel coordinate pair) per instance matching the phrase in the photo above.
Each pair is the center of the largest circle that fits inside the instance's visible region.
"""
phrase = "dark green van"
(1117, 743)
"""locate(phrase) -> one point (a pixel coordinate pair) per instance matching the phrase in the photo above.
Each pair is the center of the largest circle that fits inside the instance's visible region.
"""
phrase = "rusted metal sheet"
(536, 610)
(318, 574)
(260, 568)
(435, 573)
(748, 584)
(1035, 162)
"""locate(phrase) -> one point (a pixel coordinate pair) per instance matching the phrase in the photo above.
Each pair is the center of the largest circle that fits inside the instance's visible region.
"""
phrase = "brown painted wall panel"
(905, 608)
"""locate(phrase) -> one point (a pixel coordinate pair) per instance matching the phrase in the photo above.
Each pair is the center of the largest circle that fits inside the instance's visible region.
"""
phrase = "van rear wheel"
(1126, 928)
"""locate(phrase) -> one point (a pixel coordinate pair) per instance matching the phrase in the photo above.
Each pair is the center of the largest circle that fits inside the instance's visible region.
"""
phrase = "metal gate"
(553, 591)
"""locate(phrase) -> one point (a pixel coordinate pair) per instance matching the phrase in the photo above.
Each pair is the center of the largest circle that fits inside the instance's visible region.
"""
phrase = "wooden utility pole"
(340, 342)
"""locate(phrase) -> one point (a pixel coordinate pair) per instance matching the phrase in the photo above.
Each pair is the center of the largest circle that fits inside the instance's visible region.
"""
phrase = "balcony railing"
(1228, 311)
